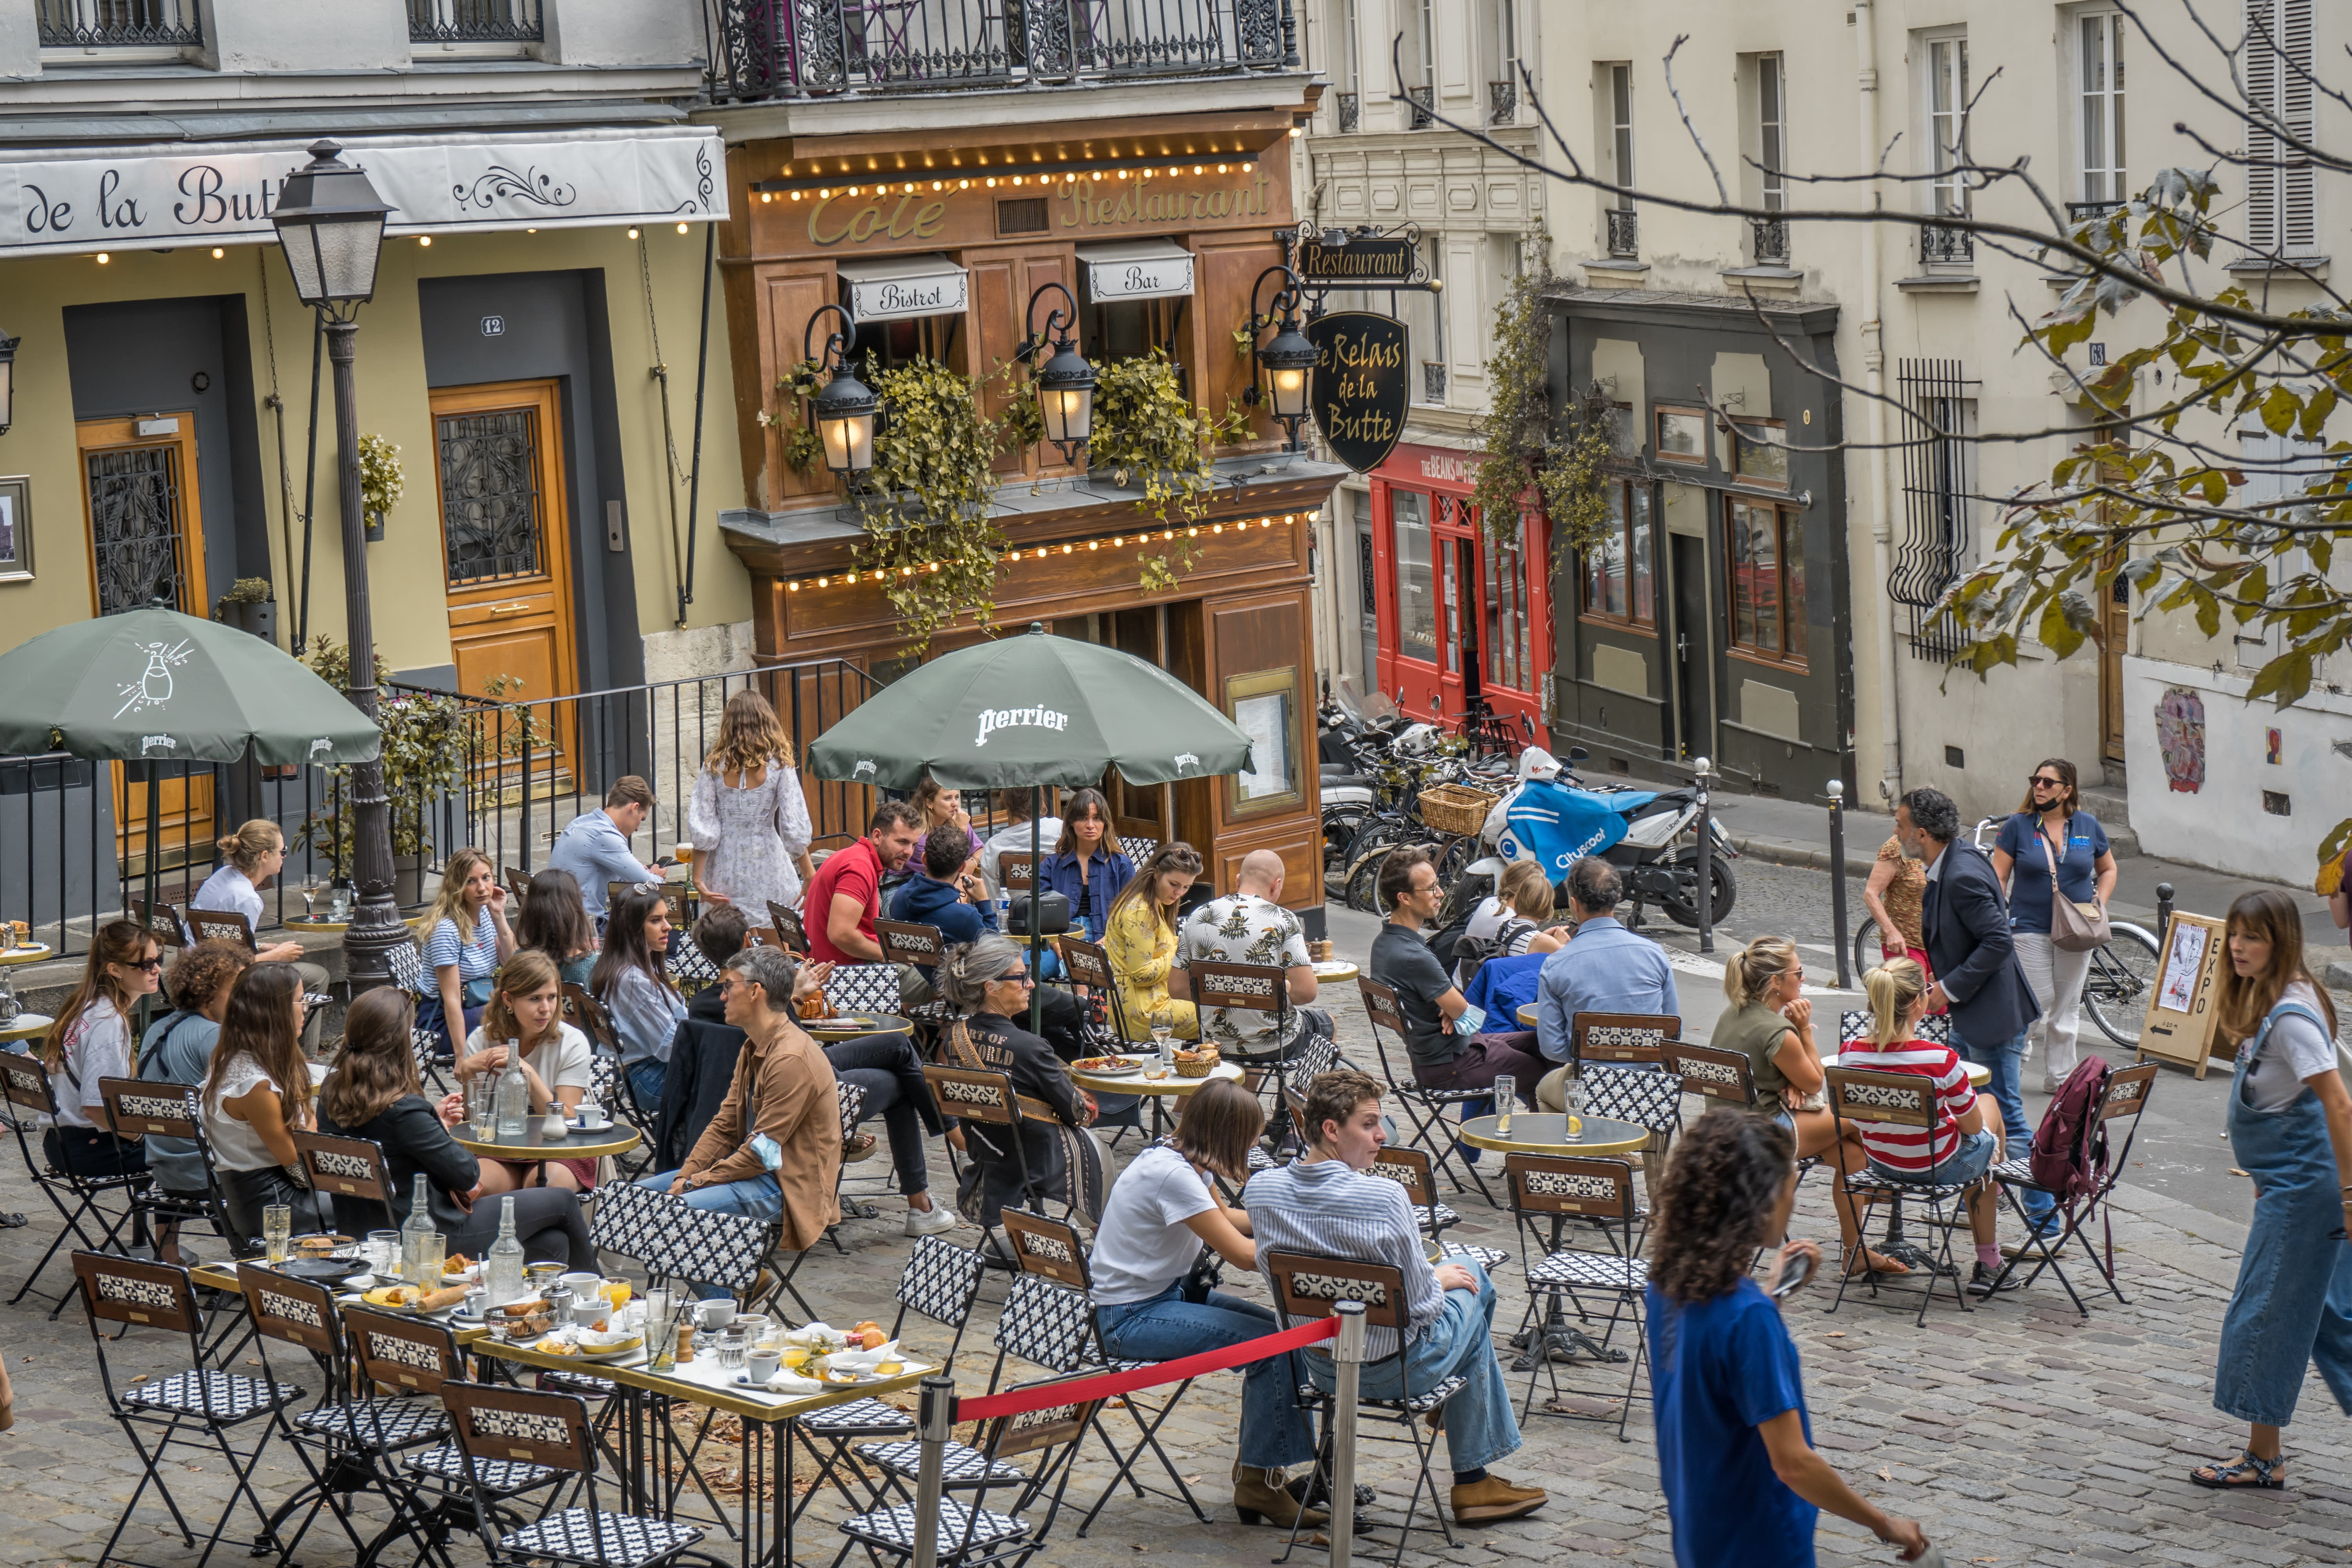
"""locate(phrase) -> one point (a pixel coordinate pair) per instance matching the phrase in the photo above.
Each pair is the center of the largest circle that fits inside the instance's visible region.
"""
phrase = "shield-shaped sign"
(1360, 390)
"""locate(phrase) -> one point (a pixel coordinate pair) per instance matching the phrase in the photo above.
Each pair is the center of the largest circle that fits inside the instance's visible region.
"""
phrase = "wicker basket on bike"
(1456, 808)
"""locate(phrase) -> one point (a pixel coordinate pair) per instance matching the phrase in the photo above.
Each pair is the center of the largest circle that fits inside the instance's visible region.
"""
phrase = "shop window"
(886, 345)
(1766, 549)
(1759, 451)
(1681, 436)
(1416, 581)
(1618, 582)
(1510, 628)
(1130, 329)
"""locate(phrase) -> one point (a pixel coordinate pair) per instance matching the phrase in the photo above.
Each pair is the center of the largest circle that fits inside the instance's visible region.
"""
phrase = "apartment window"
(1502, 88)
(2279, 210)
(1618, 583)
(2100, 40)
(1432, 389)
(1350, 68)
(1771, 131)
(1947, 122)
(1422, 91)
(1760, 452)
(1507, 613)
(1766, 550)
(1621, 129)
(1416, 586)
(1681, 436)
(1939, 418)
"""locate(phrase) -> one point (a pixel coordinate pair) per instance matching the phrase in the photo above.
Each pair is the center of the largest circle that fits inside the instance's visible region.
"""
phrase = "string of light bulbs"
(1142, 540)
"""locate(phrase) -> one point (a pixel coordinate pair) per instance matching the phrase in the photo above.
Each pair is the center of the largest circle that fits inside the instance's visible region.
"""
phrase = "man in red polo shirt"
(846, 892)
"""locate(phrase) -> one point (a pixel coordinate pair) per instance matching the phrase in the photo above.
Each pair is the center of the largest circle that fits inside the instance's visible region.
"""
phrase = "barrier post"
(1706, 862)
(1837, 881)
(2163, 912)
(935, 1423)
(1347, 1365)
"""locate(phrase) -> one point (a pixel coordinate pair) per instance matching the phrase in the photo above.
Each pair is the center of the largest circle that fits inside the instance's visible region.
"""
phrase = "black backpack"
(1470, 952)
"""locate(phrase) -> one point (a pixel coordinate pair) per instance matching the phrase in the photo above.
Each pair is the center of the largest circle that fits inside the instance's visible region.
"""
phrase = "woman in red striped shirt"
(1961, 1147)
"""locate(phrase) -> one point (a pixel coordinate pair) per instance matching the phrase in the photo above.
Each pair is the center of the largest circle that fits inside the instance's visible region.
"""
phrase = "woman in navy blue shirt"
(1744, 1485)
(2051, 818)
(1088, 867)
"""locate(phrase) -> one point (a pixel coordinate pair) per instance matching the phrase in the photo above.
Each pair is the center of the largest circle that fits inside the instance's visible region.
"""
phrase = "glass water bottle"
(413, 1243)
(502, 1269)
(514, 1098)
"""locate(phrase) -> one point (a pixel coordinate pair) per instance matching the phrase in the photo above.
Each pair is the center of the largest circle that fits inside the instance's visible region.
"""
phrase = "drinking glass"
(617, 1290)
(432, 1251)
(384, 1253)
(734, 1349)
(277, 1231)
(478, 1104)
(1506, 1094)
(1163, 1029)
(309, 898)
(1575, 1109)
(661, 1330)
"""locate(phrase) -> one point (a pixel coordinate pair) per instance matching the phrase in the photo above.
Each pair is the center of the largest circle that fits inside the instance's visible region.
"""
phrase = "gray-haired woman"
(987, 983)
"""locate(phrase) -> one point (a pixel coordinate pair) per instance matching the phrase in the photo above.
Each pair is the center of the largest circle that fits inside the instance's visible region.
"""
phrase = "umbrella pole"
(1036, 997)
(155, 831)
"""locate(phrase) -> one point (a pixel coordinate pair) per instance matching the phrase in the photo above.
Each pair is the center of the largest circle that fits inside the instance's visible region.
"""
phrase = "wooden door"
(147, 544)
(507, 553)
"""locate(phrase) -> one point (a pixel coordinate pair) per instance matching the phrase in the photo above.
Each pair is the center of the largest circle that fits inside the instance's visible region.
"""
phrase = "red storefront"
(1452, 606)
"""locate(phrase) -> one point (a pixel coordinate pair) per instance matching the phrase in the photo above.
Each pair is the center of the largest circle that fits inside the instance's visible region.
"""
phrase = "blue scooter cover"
(1556, 827)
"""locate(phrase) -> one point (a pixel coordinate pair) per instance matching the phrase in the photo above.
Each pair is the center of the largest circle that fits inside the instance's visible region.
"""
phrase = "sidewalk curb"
(1790, 852)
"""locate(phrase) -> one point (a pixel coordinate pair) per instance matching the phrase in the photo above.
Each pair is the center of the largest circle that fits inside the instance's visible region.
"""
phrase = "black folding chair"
(349, 1168)
(196, 1408)
(1424, 1107)
(2123, 1098)
(25, 1087)
(1899, 1099)
(1545, 1190)
(146, 1108)
(1410, 1169)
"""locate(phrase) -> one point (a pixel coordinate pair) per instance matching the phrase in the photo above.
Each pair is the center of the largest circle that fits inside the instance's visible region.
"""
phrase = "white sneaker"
(930, 1221)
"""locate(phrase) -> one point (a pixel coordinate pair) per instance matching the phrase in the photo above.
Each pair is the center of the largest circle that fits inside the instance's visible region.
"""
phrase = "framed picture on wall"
(16, 527)
(1265, 707)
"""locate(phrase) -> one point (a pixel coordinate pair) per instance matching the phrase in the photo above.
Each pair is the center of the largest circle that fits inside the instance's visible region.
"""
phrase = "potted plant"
(381, 482)
(425, 747)
(250, 605)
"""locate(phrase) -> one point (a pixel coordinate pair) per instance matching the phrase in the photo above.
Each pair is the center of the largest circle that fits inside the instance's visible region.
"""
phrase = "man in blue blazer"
(1966, 923)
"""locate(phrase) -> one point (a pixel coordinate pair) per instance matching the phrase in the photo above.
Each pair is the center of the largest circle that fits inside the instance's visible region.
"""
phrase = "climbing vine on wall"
(1526, 445)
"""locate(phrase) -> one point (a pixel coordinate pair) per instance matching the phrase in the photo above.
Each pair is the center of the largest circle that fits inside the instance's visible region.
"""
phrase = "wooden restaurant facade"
(1158, 201)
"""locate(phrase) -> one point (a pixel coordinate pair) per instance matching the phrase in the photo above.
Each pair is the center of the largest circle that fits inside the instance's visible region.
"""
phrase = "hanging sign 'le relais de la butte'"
(887, 216)
(1360, 390)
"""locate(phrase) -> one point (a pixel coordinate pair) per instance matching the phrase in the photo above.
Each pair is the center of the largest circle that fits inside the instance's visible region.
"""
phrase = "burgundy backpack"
(2070, 1147)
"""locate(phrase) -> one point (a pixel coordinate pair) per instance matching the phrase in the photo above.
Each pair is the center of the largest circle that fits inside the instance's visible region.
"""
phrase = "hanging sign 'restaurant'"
(1359, 263)
(1359, 392)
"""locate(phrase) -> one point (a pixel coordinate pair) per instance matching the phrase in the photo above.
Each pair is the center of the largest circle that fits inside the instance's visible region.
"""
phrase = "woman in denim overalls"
(2292, 1304)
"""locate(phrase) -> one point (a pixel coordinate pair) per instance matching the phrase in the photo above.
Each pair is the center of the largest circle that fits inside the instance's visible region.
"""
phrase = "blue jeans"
(1274, 1430)
(758, 1197)
(1970, 1158)
(2007, 1060)
(647, 1075)
(1480, 1425)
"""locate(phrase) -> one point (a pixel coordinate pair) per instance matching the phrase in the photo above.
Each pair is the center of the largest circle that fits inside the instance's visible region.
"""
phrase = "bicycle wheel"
(1363, 880)
(1867, 953)
(1455, 859)
(2115, 988)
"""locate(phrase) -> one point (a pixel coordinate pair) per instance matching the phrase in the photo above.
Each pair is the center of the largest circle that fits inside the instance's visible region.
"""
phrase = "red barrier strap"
(1077, 1392)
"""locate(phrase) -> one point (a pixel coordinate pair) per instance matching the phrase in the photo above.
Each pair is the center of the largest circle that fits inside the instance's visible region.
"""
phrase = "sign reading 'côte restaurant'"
(888, 217)
(1359, 389)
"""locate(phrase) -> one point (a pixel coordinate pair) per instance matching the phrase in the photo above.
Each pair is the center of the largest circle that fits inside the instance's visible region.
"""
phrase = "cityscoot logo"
(153, 687)
(994, 719)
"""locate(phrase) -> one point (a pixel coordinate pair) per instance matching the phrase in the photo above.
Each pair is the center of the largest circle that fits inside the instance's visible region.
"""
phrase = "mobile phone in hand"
(1790, 1284)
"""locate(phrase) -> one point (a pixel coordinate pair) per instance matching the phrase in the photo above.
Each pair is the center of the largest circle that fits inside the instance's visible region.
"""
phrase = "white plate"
(604, 1126)
(1331, 966)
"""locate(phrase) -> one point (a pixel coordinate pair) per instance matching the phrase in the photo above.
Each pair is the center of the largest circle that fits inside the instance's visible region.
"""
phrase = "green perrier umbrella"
(154, 684)
(1034, 711)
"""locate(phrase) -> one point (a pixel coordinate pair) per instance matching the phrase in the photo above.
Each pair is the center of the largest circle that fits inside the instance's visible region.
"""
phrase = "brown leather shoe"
(1493, 1499)
(1259, 1499)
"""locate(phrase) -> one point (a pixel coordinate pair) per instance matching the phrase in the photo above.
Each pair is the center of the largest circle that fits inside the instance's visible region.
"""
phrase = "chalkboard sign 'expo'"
(1359, 389)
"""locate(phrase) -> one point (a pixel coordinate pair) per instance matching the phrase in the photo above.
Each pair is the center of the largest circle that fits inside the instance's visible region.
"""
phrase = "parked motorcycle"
(1649, 834)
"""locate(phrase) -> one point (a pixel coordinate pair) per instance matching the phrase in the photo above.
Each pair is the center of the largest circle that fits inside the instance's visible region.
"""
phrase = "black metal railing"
(1941, 244)
(797, 49)
(1424, 104)
(1433, 381)
(1624, 232)
(475, 22)
(119, 24)
(1352, 112)
(1502, 103)
(1771, 234)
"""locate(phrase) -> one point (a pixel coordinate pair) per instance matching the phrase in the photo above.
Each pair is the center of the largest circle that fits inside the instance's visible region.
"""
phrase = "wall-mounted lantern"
(844, 408)
(1066, 382)
(1287, 362)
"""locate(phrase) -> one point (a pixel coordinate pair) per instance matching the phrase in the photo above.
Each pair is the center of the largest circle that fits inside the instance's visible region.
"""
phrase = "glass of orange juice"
(795, 1357)
(615, 1291)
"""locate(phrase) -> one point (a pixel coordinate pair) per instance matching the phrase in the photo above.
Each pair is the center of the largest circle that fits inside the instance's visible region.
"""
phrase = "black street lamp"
(331, 226)
(8, 379)
(844, 409)
(1288, 361)
(1066, 382)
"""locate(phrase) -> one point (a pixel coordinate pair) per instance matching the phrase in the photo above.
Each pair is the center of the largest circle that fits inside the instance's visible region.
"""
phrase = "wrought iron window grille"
(1941, 245)
(1625, 236)
(1771, 234)
(476, 22)
(1502, 103)
(1938, 475)
(1352, 112)
(119, 24)
(1425, 105)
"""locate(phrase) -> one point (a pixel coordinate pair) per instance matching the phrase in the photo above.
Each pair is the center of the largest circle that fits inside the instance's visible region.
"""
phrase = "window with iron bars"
(1940, 411)
(475, 22)
(119, 24)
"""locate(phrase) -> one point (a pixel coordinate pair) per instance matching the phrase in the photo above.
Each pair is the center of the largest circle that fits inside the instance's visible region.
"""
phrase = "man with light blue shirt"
(1604, 968)
(594, 845)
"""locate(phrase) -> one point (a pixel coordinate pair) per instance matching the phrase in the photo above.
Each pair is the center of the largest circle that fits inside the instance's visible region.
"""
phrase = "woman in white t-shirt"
(91, 1040)
(1162, 1210)
(526, 1012)
(250, 857)
(256, 1096)
(1513, 916)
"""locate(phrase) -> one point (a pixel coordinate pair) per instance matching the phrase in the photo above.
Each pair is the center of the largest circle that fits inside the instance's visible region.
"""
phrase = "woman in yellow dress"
(1141, 938)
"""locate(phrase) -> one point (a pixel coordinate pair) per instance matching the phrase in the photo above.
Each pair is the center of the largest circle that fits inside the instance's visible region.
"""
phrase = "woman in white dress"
(750, 827)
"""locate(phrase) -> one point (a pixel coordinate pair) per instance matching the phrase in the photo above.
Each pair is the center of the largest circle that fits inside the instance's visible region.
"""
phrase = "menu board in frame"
(1265, 705)
(2180, 1026)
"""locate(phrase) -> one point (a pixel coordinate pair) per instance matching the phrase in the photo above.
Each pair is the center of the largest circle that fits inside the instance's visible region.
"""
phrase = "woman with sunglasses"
(2050, 828)
(91, 1040)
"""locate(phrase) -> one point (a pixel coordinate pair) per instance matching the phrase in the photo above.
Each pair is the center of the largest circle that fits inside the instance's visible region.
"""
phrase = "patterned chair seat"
(1487, 1258)
(379, 1422)
(229, 1396)
(1437, 1216)
(859, 1418)
(1447, 1096)
(580, 1382)
(500, 1477)
(893, 1529)
(960, 1466)
(2016, 1173)
(864, 988)
(1873, 1182)
(1589, 1271)
(614, 1539)
(1414, 1405)
(1259, 1160)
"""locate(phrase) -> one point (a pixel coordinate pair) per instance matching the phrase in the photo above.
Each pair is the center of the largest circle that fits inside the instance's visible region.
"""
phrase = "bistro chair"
(161, 921)
(1016, 870)
(1307, 1287)
(868, 988)
(689, 969)
(2122, 1100)
(222, 925)
(1424, 1107)
(150, 1108)
(518, 887)
(1620, 1036)
(673, 894)
(1854, 1029)
(1646, 1095)
(1101, 1014)
(1248, 988)
(1900, 1099)
(788, 928)
(1547, 1189)
(1710, 1072)
(971, 1534)
(905, 942)
(852, 1099)
(197, 1408)
(504, 1426)
(24, 1087)
(350, 1168)
(442, 1037)
(975, 1094)
(1410, 1168)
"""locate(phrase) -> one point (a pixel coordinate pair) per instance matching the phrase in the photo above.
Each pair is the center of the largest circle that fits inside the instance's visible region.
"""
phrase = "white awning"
(896, 286)
(1136, 269)
(220, 193)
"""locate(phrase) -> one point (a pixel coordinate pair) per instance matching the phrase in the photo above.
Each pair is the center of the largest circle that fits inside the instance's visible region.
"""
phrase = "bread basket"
(1198, 1063)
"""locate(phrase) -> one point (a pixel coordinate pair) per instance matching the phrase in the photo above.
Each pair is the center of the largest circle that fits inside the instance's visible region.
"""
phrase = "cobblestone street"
(2017, 1433)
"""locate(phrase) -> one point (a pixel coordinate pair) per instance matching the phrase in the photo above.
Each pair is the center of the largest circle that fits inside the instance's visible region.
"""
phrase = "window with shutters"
(2099, 46)
(1946, 102)
(2279, 218)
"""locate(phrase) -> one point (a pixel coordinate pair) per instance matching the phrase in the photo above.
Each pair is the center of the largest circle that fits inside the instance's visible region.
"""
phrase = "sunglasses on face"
(2040, 783)
(150, 964)
(1018, 977)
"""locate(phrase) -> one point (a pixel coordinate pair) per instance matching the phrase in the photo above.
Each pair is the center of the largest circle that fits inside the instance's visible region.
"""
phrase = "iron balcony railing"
(1625, 236)
(762, 50)
(1352, 112)
(1433, 381)
(1940, 244)
(1423, 102)
(1502, 102)
(475, 22)
(119, 24)
(1772, 240)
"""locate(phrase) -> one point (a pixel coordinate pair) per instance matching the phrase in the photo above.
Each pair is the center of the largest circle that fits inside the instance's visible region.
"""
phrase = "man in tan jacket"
(774, 1150)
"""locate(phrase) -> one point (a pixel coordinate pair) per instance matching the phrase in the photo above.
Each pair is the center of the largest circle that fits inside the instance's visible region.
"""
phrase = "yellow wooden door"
(147, 545)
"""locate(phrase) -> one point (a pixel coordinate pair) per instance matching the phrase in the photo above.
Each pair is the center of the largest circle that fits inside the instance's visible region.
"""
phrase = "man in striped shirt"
(1322, 1203)
(1960, 1149)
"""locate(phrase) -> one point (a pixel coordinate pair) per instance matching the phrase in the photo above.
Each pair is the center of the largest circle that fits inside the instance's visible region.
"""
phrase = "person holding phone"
(1744, 1485)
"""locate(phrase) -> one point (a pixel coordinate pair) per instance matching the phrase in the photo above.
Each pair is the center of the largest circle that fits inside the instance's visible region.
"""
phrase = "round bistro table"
(31, 953)
(1159, 1091)
(858, 1027)
(1546, 1132)
(531, 1149)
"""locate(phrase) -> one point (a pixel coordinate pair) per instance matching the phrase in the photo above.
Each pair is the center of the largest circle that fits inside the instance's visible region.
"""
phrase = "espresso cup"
(715, 1315)
(760, 1365)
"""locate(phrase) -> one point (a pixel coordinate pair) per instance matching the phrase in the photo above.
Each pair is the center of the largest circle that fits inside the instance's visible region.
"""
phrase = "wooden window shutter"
(2281, 209)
